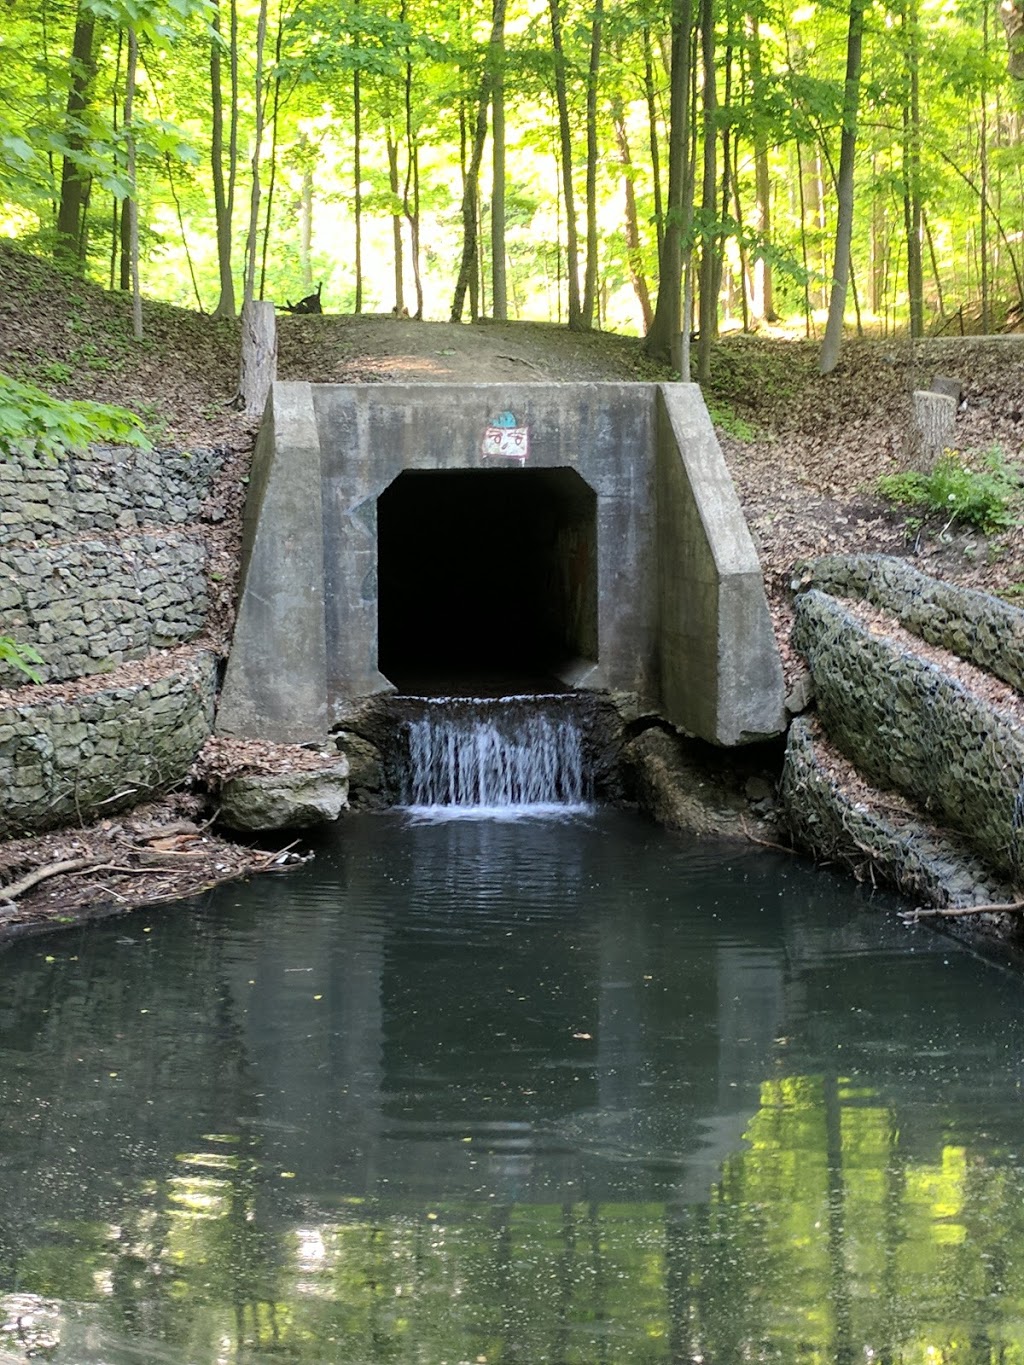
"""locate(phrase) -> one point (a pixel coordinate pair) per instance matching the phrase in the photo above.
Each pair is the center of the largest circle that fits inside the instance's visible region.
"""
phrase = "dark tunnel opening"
(487, 578)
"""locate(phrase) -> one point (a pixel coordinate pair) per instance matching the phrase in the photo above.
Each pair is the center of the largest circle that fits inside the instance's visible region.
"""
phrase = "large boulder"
(291, 800)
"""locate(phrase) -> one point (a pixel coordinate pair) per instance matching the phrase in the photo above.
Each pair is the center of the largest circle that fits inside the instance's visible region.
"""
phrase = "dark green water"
(512, 1092)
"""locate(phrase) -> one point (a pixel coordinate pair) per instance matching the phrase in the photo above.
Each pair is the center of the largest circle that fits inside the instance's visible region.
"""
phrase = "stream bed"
(526, 1090)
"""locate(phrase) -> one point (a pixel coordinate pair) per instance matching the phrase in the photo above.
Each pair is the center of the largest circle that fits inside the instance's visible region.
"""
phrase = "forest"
(661, 171)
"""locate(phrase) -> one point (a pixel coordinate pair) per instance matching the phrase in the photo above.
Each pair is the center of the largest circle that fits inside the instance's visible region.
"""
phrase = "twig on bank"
(956, 911)
(765, 843)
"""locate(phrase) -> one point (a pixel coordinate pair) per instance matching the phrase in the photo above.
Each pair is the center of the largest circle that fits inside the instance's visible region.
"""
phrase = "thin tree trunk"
(572, 265)
(590, 277)
(257, 149)
(469, 209)
(306, 230)
(357, 186)
(71, 240)
(133, 203)
(708, 325)
(664, 338)
(499, 290)
(653, 138)
(396, 225)
(986, 304)
(762, 300)
(634, 254)
(272, 183)
(222, 196)
(832, 343)
(912, 168)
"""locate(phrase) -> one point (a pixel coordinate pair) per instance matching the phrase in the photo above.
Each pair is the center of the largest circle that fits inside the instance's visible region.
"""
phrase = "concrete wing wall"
(275, 684)
(721, 674)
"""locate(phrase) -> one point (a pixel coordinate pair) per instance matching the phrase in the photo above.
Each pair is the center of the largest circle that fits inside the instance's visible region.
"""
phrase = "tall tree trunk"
(468, 264)
(71, 243)
(832, 343)
(572, 264)
(708, 324)
(396, 225)
(634, 255)
(664, 338)
(257, 150)
(272, 182)
(590, 277)
(223, 195)
(986, 311)
(133, 202)
(306, 229)
(357, 184)
(762, 300)
(912, 167)
(654, 139)
(499, 292)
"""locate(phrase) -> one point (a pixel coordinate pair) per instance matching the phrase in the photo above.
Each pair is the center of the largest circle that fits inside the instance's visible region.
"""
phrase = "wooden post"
(931, 426)
(259, 356)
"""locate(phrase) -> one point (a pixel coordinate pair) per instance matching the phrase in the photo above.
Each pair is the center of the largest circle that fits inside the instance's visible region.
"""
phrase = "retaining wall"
(113, 747)
(973, 624)
(908, 725)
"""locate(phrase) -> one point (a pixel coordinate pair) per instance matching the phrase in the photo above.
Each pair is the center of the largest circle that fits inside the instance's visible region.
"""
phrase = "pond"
(521, 1091)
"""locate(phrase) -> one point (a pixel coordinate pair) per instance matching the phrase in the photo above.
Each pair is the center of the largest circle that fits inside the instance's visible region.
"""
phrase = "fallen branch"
(955, 911)
(42, 874)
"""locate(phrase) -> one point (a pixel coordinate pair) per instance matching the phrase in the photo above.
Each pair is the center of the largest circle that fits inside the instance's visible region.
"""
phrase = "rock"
(366, 769)
(758, 789)
(677, 790)
(295, 800)
(801, 694)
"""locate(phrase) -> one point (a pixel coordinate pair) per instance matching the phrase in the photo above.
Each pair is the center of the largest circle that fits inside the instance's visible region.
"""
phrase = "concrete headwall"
(680, 608)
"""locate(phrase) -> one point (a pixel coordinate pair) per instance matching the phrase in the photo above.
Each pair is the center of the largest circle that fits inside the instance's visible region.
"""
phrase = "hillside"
(806, 451)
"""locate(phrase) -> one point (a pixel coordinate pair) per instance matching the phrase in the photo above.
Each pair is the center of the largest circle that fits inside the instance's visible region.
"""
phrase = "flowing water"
(520, 1091)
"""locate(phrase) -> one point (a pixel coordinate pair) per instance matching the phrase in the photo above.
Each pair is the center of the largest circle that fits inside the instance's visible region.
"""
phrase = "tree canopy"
(598, 162)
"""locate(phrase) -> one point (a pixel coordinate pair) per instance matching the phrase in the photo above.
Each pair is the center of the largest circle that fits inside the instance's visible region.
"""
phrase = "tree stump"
(259, 356)
(931, 425)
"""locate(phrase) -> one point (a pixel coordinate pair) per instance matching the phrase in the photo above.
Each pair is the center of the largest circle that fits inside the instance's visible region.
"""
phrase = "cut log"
(931, 425)
(259, 356)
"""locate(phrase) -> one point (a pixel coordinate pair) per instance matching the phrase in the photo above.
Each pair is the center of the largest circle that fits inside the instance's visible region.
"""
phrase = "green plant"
(21, 657)
(984, 491)
(733, 425)
(54, 371)
(33, 423)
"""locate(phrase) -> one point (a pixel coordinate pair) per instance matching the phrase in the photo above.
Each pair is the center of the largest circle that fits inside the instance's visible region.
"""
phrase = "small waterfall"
(509, 754)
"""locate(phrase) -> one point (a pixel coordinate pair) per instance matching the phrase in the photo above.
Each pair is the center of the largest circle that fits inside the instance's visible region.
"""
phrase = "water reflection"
(510, 1093)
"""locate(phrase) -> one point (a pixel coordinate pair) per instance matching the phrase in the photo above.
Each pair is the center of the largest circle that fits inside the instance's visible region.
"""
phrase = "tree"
(832, 343)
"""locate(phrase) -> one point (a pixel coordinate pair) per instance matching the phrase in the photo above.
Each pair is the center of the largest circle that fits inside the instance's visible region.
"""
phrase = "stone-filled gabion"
(61, 760)
(975, 625)
(908, 725)
(826, 820)
(89, 604)
(108, 488)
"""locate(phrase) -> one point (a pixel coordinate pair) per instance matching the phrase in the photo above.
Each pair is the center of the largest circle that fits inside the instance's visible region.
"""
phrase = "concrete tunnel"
(404, 536)
(485, 573)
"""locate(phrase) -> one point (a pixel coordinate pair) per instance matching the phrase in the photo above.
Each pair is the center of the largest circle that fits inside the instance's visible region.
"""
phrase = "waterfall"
(509, 754)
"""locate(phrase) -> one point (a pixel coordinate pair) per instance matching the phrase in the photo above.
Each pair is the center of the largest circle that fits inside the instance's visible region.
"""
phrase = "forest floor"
(806, 451)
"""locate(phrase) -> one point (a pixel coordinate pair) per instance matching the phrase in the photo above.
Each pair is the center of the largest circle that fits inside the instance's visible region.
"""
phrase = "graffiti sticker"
(504, 440)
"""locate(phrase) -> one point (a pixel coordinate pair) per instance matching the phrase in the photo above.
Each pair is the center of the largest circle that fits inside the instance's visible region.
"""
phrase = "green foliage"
(731, 423)
(21, 657)
(33, 423)
(985, 493)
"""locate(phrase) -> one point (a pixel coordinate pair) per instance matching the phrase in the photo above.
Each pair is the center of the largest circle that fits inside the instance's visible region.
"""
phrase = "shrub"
(985, 494)
(33, 423)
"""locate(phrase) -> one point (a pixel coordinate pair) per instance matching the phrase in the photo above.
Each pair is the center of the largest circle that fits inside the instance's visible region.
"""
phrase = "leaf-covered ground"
(806, 451)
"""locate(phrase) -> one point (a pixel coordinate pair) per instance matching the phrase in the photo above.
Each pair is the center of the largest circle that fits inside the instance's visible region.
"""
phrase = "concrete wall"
(681, 615)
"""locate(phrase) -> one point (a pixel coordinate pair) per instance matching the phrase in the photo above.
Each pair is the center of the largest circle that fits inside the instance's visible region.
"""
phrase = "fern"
(33, 423)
